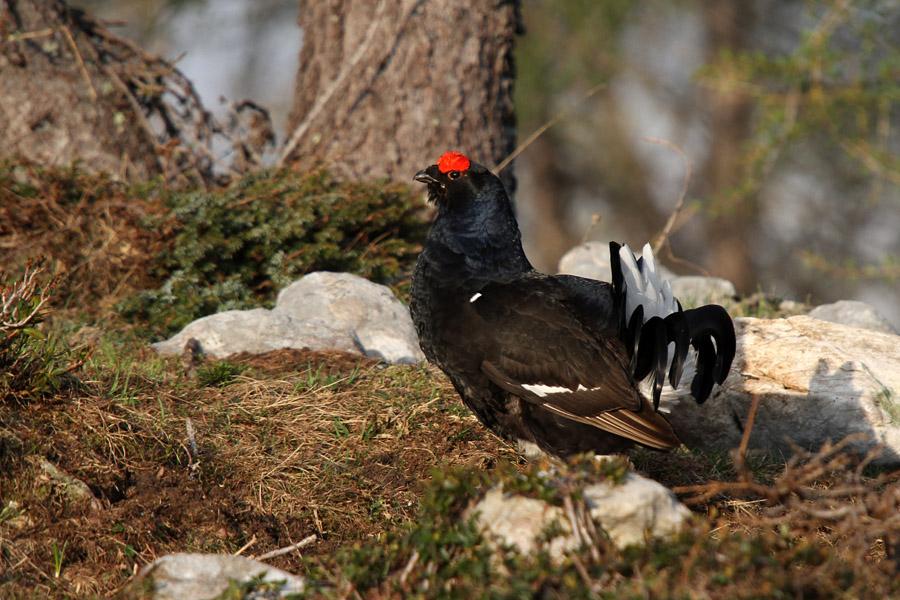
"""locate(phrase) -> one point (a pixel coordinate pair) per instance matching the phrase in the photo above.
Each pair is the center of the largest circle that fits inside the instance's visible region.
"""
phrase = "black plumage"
(567, 363)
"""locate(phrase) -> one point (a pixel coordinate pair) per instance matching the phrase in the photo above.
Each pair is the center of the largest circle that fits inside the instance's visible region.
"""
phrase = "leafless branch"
(13, 296)
(308, 540)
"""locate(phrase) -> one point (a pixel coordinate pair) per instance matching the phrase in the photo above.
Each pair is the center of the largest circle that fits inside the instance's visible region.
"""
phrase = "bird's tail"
(666, 343)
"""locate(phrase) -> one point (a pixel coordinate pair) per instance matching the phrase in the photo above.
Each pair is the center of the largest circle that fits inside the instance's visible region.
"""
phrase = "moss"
(887, 403)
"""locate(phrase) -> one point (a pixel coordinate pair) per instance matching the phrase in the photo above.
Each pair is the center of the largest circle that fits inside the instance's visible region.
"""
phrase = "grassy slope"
(132, 456)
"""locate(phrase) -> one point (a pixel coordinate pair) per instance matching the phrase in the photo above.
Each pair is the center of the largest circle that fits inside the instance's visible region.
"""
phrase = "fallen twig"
(308, 540)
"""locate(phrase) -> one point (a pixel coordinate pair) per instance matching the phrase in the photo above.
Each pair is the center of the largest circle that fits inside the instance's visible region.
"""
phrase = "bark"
(59, 100)
(385, 86)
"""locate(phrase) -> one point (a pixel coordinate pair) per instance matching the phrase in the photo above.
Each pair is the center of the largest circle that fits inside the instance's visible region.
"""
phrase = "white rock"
(591, 260)
(635, 510)
(815, 381)
(203, 576)
(380, 322)
(853, 313)
(257, 331)
(630, 513)
(321, 311)
(696, 290)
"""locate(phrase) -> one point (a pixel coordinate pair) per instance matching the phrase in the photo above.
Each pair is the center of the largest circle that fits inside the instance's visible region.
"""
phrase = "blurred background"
(783, 111)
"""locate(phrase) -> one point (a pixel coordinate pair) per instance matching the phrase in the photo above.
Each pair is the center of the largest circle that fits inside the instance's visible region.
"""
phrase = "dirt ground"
(105, 478)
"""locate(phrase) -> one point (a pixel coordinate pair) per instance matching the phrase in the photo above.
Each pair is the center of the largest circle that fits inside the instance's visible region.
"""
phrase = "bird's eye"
(454, 174)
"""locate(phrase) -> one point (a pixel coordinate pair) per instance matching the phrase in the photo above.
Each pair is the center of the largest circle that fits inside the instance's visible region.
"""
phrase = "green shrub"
(235, 248)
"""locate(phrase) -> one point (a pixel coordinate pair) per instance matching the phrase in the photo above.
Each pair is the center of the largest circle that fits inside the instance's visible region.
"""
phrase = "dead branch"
(308, 540)
(14, 296)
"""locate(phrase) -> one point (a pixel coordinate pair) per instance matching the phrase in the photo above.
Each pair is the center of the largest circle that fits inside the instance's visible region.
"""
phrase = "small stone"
(184, 576)
(321, 311)
(69, 485)
(380, 322)
(590, 260)
(630, 512)
(257, 331)
(696, 290)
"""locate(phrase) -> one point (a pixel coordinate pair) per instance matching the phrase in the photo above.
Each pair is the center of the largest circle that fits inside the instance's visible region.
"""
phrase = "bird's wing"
(537, 348)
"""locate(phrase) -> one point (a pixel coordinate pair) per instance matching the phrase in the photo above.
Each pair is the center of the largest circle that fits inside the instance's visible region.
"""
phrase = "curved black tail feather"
(712, 335)
(708, 329)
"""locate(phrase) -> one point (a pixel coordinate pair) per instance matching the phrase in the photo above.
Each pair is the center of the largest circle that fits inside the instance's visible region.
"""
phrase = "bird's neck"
(487, 246)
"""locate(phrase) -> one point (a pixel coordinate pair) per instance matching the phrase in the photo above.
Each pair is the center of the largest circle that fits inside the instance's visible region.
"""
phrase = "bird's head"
(456, 181)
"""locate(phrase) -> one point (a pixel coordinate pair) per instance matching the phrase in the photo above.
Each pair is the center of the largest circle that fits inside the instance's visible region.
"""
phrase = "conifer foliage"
(237, 247)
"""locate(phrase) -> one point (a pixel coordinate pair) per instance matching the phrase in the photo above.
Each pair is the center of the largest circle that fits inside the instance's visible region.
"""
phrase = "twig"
(540, 130)
(23, 291)
(301, 544)
(580, 519)
(595, 220)
(583, 573)
(662, 237)
(84, 72)
(745, 438)
(409, 567)
(245, 546)
(192, 443)
(15, 37)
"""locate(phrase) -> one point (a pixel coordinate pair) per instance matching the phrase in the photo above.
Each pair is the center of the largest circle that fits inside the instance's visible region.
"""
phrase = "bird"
(559, 364)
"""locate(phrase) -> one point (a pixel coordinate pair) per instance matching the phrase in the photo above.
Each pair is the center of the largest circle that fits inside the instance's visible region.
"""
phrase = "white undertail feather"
(644, 287)
(670, 394)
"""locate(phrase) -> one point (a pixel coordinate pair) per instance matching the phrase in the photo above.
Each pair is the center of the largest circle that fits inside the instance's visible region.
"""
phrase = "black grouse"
(565, 363)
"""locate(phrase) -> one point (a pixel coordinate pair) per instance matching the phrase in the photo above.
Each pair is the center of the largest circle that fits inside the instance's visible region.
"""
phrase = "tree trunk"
(59, 101)
(729, 120)
(385, 86)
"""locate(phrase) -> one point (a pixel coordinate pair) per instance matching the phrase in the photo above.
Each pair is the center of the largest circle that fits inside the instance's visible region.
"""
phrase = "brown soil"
(291, 447)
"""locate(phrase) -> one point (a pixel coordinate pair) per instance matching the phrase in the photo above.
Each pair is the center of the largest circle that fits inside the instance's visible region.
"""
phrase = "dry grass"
(88, 226)
(301, 443)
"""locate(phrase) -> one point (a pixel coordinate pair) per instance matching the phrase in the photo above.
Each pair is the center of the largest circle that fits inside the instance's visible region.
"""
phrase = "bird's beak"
(424, 177)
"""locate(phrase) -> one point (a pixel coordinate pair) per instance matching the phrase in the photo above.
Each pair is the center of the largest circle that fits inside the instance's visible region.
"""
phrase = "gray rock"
(68, 485)
(380, 322)
(257, 331)
(629, 513)
(204, 576)
(815, 381)
(321, 311)
(591, 260)
(696, 290)
(853, 313)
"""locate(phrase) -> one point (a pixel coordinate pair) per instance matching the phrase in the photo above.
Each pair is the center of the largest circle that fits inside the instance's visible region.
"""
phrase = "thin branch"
(662, 238)
(308, 540)
(84, 71)
(540, 130)
(745, 438)
(411, 563)
(245, 546)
